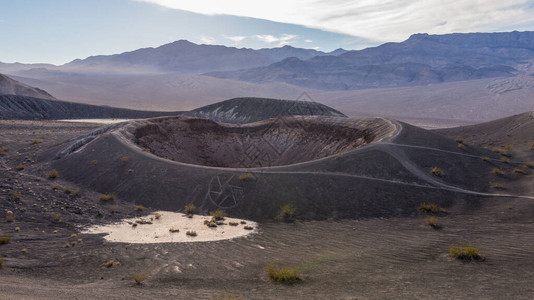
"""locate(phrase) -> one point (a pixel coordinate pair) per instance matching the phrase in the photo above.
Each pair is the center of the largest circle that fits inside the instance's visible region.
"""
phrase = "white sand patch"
(98, 121)
(158, 231)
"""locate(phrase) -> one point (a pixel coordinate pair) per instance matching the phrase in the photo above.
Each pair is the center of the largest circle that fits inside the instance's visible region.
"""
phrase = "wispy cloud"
(207, 39)
(284, 39)
(235, 39)
(386, 20)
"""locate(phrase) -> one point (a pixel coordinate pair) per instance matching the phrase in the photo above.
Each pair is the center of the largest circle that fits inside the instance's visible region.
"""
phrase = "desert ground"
(385, 251)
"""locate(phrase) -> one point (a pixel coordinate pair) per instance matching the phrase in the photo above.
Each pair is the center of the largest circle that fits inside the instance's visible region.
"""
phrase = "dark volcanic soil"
(368, 258)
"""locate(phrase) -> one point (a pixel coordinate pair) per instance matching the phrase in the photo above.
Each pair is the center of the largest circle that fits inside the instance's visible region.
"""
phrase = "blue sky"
(58, 31)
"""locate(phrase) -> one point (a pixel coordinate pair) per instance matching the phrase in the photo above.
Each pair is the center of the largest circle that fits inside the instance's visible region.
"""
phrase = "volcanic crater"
(273, 142)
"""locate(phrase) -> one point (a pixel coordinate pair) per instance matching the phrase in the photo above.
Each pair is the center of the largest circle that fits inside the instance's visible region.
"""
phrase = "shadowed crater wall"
(273, 142)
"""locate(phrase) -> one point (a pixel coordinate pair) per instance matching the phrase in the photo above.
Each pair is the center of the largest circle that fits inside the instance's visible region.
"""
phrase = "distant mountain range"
(180, 57)
(422, 59)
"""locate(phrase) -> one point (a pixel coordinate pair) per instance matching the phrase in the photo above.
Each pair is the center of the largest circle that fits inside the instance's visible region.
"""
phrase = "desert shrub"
(461, 146)
(173, 230)
(436, 172)
(24, 250)
(191, 233)
(5, 239)
(247, 227)
(10, 217)
(20, 167)
(218, 214)
(56, 217)
(113, 209)
(111, 263)
(139, 207)
(485, 158)
(17, 195)
(124, 159)
(71, 191)
(55, 187)
(287, 213)
(190, 209)
(233, 223)
(52, 174)
(3, 150)
(432, 222)
(107, 197)
(210, 223)
(157, 216)
(497, 171)
(37, 141)
(518, 170)
(1, 262)
(460, 140)
(529, 165)
(243, 222)
(284, 274)
(496, 185)
(501, 151)
(465, 252)
(431, 207)
(139, 278)
(246, 176)
(505, 160)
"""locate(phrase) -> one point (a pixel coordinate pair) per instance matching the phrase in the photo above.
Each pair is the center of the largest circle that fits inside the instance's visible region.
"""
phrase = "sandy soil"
(158, 229)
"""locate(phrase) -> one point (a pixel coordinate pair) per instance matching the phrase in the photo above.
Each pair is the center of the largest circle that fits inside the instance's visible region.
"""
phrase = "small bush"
(246, 177)
(139, 207)
(17, 195)
(173, 230)
(505, 160)
(56, 217)
(107, 197)
(20, 167)
(485, 158)
(465, 252)
(247, 227)
(210, 223)
(1, 262)
(191, 233)
(113, 209)
(3, 150)
(437, 172)
(71, 191)
(432, 222)
(37, 141)
(5, 239)
(460, 140)
(497, 171)
(431, 207)
(496, 185)
(287, 213)
(52, 174)
(139, 278)
(124, 159)
(218, 214)
(111, 263)
(502, 152)
(233, 223)
(283, 275)
(518, 170)
(190, 209)
(461, 146)
(157, 216)
(529, 165)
